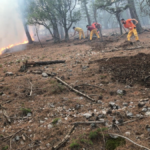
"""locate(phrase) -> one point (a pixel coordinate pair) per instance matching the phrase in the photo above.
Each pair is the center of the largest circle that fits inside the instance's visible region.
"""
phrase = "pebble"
(99, 102)
(147, 113)
(125, 104)
(50, 126)
(148, 128)
(87, 115)
(127, 133)
(120, 92)
(9, 74)
(17, 138)
(144, 109)
(48, 145)
(44, 74)
(129, 114)
(41, 122)
(141, 104)
(93, 125)
(29, 115)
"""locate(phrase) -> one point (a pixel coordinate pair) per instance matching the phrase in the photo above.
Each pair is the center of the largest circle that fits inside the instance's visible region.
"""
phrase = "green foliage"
(88, 142)
(74, 144)
(93, 135)
(112, 144)
(55, 121)
(25, 111)
(5, 148)
(1, 65)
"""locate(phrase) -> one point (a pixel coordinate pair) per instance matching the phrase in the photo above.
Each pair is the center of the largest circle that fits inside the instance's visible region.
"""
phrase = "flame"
(12, 45)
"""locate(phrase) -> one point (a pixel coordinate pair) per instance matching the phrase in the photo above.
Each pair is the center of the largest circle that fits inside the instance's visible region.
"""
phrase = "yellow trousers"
(81, 33)
(133, 31)
(94, 31)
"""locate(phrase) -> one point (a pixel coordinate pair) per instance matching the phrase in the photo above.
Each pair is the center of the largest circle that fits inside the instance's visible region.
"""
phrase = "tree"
(145, 7)
(113, 7)
(24, 19)
(134, 14)
(85, 9)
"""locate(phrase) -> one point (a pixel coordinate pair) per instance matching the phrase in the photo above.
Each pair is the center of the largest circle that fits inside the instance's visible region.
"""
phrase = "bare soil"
(89, 68)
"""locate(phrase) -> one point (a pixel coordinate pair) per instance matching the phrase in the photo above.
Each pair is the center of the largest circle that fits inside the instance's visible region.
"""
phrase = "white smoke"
(11, 26)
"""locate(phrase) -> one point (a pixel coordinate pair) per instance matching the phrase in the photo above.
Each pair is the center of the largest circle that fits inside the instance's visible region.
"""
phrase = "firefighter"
(80, 31)
(97, 26)
(92, 31)
(132, 28)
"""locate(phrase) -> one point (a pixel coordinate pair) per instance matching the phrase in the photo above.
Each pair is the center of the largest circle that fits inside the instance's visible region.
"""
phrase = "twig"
(76, 91)
(89, 122)
(65, 139)
(129, 140)
(31, 89)
(6, 56)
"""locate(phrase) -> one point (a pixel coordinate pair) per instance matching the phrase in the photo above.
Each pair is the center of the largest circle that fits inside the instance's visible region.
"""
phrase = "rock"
(144, 109)
(87, 115)
(77, 106)
(50, 126)
(127, 133)
(29, 115)
(44, 74)
(41, 122)
(147, 113)
(129, 114)
(9, 74)
(17, 138)
(148, 128)
(125, 104)
(109, 112)
(100, 97)
(48, 145)
(99, 102)
(93, 125)
(141, 104)
(121, 92)
(127, 86)
(22, 143)
(112, 104)
(85, 67)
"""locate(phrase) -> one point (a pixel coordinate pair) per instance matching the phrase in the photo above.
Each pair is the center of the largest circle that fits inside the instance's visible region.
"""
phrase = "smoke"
(11, 25)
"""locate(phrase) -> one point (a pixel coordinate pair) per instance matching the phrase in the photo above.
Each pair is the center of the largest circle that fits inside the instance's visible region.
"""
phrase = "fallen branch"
(76, 91)
(129, 140)
(6, 56)
(89, 122)
(27, 64)
(90, 85)
(65, 139)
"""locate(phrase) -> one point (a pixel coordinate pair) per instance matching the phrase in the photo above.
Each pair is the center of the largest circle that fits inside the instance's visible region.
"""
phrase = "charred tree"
(134, 14)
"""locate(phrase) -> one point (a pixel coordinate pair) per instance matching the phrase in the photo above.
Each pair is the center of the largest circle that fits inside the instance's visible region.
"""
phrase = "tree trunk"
(66, 35)
(87, 13)
(62, 32)
(134, 14)
(56, 33)
(27, 33)
(118, 19)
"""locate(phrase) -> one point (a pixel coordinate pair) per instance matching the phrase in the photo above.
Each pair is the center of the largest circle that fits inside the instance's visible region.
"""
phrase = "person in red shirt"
(131, 27)
(92, 31)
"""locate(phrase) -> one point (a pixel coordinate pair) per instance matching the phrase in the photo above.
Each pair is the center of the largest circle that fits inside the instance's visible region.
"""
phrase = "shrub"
(55, 121)
(74, 144)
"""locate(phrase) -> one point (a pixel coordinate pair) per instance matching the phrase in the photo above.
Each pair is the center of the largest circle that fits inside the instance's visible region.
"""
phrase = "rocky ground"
(37, 111)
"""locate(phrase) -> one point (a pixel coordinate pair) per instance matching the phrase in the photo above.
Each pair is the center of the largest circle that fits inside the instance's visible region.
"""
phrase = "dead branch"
(76, 91)
(6, 116)
(31, 88)
(65, 139)
(129, 140)
(90, 85)
(89, 122)
(28, 64)
(6, 56)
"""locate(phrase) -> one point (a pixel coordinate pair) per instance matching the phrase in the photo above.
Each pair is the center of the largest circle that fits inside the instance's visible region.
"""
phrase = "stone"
(29, 114)
(50, 126)
(125, 104)
(112, 104)
(99, 102)
(144, 109)
(48, 145)
(141, 104)
(85, 67)
(121, 92)
(41, 122)
(148, 128)
(9, 74)
(22, 143)
(147, 113)
(17, 138)
(93, 125)
(44, 74)
(129, 114)
(127, 133)
(77, 106)
(87, 115)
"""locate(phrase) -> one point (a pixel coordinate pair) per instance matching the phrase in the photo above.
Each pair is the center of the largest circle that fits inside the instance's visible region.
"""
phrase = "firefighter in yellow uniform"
(80, 31)
(131, 27)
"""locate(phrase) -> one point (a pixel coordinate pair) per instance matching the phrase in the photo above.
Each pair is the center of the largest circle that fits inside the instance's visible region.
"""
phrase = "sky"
(11, 27)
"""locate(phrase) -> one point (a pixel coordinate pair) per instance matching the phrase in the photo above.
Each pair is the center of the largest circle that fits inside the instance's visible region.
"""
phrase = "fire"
(10, 46)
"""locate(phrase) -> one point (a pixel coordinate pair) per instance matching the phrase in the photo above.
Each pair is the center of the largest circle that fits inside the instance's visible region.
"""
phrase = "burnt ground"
(92, 68)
